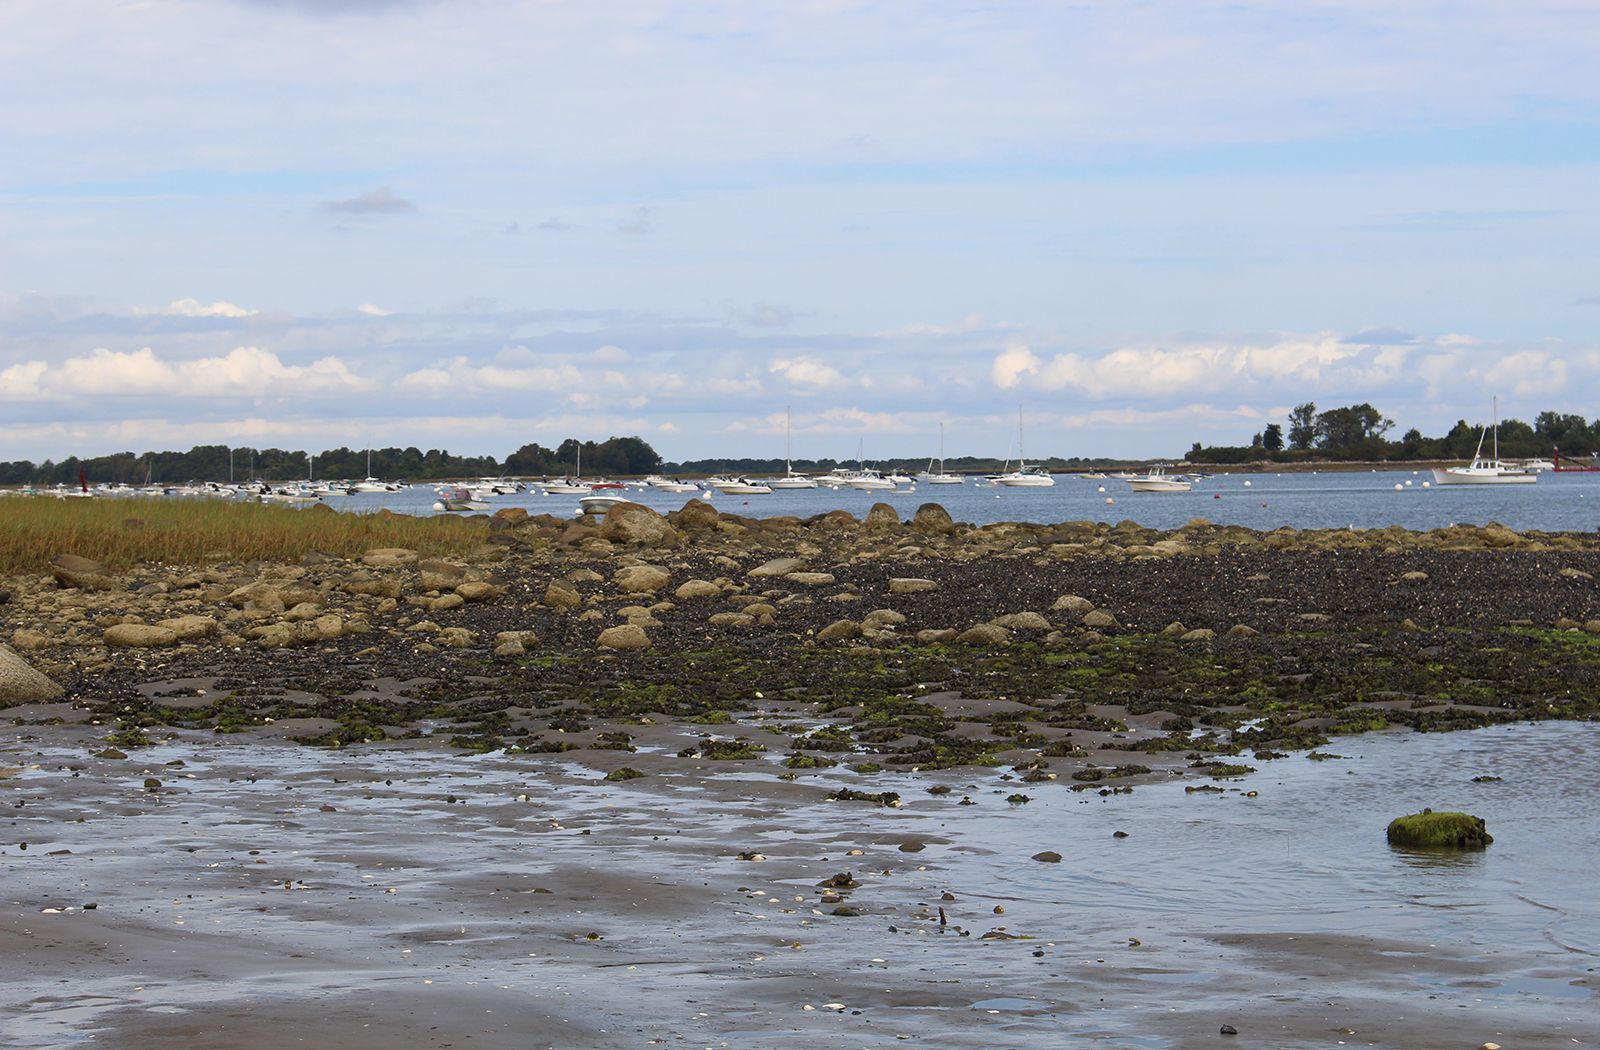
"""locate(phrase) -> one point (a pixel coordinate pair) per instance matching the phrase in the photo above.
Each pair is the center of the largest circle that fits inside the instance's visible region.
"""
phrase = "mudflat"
(700, 779)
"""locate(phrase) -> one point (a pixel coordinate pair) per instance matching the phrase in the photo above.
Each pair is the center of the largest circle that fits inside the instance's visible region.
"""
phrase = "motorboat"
(661, 484)
(566, 487)
(734, 486)
(1491, 471)
(1158, 480)
(459, 499)
(837, 478)
(869, 480)
(600, 502)
(1538, 464)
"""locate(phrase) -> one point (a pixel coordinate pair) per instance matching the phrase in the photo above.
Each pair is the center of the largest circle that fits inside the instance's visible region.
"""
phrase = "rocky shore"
(786, 781)
(1078, 652)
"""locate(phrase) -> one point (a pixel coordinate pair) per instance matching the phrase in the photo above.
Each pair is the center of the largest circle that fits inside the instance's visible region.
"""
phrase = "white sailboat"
(1486, 471)
(572, 486)
(790, 479)
(940, 476)
(1024, 476)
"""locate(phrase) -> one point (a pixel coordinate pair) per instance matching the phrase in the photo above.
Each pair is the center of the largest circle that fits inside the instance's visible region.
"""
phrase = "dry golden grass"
(124, 532)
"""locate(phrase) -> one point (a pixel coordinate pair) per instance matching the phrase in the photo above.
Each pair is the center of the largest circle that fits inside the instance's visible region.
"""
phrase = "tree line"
(616, 455)
(1361, 432)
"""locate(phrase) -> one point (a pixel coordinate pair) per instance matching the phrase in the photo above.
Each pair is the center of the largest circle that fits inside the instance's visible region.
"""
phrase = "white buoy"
(438, 506)
(1247, 484)
(1427, 484)
(1110, 501)
(1102, 488)
(706, 494)
(1399, 487)
(1408, 482)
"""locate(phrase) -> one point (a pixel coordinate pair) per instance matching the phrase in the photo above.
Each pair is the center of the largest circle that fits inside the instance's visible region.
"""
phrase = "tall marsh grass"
(124, 532)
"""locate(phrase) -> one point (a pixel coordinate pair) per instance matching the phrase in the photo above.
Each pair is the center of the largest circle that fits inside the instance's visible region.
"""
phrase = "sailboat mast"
(1022, 458)
(788, 424)
(1496, 403)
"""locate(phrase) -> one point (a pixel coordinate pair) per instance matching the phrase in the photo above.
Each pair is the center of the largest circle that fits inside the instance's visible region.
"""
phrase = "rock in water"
(1448, 830)
(20, 683)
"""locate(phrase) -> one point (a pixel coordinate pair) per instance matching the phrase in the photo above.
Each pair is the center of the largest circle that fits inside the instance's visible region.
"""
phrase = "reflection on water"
(1438, 859)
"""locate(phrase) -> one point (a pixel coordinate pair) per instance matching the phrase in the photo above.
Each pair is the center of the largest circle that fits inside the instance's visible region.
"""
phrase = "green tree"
(1303, 425)
(1272, 438)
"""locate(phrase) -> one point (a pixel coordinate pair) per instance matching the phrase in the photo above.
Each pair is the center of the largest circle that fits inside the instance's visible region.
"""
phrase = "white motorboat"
(1489, 471)
(869, 480)
(600, 502)
(837, 478)
(1158, 480)
(1538, 464)
(732, 486)
(661, 484)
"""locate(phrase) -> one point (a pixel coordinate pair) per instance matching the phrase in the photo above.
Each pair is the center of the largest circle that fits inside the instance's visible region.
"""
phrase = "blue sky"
(476, 223)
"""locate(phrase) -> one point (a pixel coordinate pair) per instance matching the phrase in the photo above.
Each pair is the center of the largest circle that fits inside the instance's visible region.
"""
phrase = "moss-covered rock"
(1430, 830)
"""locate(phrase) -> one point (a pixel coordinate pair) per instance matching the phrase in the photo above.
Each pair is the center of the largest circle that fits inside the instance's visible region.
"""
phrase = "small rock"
(560, 596)
(1071, 603)
(777, 567)
(1241, 630)
(1099, 620)
(1199, 634)
(911, 585)
(1228, 1029)
(810, 579)
(1414, 576)
(1048, 856)
(984, 634)
(692, 589)
(839, 631)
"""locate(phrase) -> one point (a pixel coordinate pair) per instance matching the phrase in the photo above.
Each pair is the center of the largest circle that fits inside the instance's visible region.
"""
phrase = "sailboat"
(1486, 471)
(940, 476)
(1024, 476)
(572, 486)
(790, 479)
(369, 483)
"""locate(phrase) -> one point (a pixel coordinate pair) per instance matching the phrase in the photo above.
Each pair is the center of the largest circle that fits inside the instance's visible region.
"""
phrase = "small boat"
(869, 480)
(1486, 471)
(732, 486)
(661, 484)
(600, 502)
(1158, 480)
(459, 499)
(791, 479)
(566, 487)
(1538, 464)
(1024, 476)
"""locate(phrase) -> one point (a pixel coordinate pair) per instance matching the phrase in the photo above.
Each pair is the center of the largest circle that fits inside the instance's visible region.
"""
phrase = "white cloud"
(372, 310)
(1011, 365)
(195, 308)
(461, 376)
(245, 371)
(808, 372)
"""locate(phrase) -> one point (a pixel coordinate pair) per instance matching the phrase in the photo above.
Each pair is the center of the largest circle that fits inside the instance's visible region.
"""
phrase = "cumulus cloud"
(460, 375)
(808, 373)
(1011, 364)
(246, 371)
(381, 201)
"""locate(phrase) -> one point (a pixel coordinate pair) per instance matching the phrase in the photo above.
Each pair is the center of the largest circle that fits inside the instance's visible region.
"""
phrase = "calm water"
(1558, 502)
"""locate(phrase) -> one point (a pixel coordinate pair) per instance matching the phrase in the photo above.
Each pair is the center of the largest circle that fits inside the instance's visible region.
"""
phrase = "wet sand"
(266, 895)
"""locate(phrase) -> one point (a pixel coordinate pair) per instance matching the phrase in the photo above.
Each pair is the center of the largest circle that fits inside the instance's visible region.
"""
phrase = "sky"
(473, 224)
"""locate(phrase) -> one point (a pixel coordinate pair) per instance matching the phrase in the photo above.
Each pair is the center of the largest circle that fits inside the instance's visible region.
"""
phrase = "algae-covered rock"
(1430, 830)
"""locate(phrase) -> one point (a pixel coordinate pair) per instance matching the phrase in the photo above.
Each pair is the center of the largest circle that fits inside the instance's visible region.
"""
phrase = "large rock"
(625, 638)
(388, 557)
(933, 519)
(1022, 621)
(636, 524)
(1430, 830)
(839, 631)
(1072, 603)
(262, 596)
(561, 597)
(81, 573)
(190, 628)
(810, 579)
(881, 518)
(641, 579)
(911, 585)
(984, 634)
(477, 590)
(697, 515)
(777, 567)
(20, 683)
(140, 634)
(692, 589)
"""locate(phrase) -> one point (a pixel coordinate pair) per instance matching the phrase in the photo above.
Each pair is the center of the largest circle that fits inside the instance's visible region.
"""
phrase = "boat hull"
(1026, 482)
(1159, 485)
(1467, 476)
